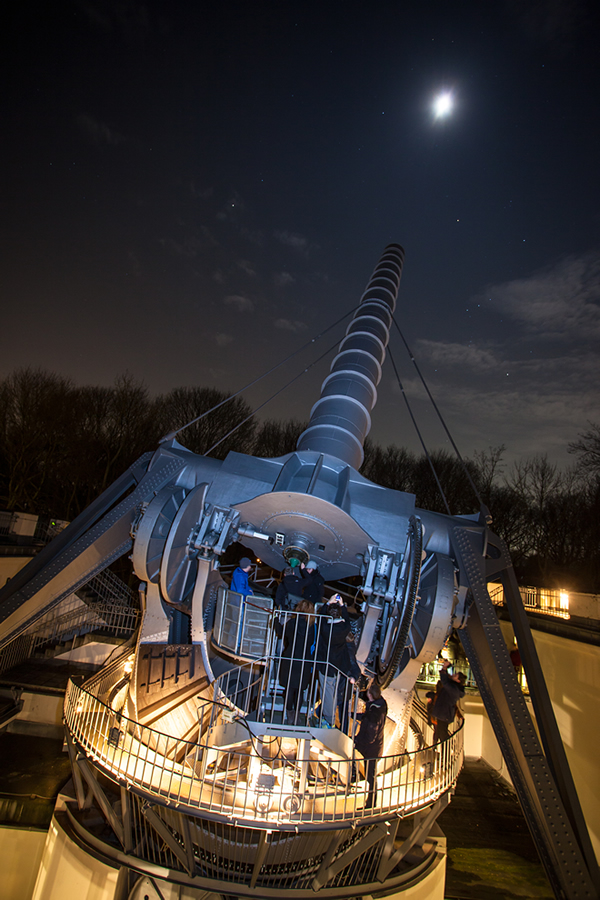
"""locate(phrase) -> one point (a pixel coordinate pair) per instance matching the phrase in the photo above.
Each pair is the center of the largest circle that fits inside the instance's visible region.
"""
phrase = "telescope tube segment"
(341, 419)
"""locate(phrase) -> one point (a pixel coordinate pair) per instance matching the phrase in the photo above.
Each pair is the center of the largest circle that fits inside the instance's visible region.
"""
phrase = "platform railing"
(69, 620)
(250, 628)
(242, 624)
(259, 773)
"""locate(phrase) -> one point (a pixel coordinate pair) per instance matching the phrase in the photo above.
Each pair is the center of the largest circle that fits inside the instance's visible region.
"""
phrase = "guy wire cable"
(172, 434)
(441, 418)
(414, 421)
(268, 400)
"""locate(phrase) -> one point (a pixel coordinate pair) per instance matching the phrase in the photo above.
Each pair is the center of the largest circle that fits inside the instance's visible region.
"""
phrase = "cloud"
(222, 340)
(528, 377)
(282, 278)
(201, 193)
(529, 419)
(295, 241)
(246, 267)
(241, 303)
(440, 353)
(253, 235)
(98, 132)
(529, 381)
(561, 302)
(192, 245)
(289, 325)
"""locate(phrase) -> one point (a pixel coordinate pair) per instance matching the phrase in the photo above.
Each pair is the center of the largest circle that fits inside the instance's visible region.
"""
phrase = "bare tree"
(277, 438)
(488, 467)
(35, 418)
(231, 424)
(587, 448)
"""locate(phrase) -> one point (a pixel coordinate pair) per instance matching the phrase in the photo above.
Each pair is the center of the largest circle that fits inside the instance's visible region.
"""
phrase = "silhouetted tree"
(587, 449)
(184, 404)
(113, 427)
(35, 416)
(390, 466)
(274, 438)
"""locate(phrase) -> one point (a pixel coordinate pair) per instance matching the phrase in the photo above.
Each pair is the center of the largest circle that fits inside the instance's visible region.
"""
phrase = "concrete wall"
(572, 673)
(10, 565)
(41, 715)
(585, 605)
(68, 872)
(21, 852)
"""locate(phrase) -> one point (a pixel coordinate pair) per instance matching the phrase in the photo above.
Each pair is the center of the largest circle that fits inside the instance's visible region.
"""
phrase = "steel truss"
(153, 841)
(539, 769)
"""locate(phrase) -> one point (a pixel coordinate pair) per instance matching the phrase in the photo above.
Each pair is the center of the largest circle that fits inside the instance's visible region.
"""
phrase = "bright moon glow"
(442, 105)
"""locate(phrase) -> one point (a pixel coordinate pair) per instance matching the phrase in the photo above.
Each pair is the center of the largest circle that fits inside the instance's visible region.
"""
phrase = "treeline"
(61, 445)
(549, 518)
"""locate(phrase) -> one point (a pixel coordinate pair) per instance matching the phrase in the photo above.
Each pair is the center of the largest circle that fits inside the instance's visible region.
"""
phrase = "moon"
(443, 105)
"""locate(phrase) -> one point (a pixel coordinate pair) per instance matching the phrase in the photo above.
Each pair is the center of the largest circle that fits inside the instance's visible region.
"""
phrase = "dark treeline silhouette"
(61, 445)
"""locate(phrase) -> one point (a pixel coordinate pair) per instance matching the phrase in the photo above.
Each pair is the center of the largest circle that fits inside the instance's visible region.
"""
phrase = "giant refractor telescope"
(184, 770)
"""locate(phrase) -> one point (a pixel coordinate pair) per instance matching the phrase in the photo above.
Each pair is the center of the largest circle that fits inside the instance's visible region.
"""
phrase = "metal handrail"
(110, 588)
(68, 620)
(239, 770)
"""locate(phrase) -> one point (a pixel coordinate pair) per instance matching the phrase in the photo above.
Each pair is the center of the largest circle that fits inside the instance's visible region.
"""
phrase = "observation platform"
(255, 771)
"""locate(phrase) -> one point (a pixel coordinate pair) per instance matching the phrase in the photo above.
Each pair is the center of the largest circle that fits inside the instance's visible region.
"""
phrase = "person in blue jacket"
(239, 579)
(232, 623)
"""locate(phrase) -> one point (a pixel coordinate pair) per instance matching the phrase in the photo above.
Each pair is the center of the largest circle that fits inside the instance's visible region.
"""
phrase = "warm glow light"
(564, 600)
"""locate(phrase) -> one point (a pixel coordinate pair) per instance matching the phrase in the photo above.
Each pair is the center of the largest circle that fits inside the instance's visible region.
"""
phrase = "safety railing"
(249, 628)
(66, 622)
(242, 624)
(258, 772)
(109, 588)
(294, 691)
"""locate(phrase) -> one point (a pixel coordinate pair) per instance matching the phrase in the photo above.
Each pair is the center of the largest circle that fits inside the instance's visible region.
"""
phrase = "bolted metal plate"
(153, 530)
(179, 565)
(330, 536)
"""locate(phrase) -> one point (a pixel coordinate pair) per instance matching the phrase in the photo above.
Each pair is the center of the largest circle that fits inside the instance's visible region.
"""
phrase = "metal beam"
(176, 849)
(261, 852)
(126, 820)
(545, 718)
(373, 836)
(77, 780)
(542, 804)
(101, 799)
(320, 878)
(422, 826)
(107, 540)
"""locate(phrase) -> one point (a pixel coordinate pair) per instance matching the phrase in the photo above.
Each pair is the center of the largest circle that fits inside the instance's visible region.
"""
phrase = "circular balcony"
(250, 769)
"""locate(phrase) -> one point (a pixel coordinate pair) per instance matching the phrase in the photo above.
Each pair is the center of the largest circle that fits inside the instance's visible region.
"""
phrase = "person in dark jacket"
(289, 589)
(346, 687)
(450, 690)
(295, 668)
(332, 653)
(369, 737)
(313, 583)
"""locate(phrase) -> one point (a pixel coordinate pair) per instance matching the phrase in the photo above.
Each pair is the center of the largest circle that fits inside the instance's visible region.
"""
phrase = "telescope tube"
(341, 419)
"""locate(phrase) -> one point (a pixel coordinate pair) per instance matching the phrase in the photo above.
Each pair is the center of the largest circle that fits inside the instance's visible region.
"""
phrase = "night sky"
(191, 191)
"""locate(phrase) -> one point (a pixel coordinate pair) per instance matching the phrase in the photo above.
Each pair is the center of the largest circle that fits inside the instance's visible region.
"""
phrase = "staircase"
(103, 610)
